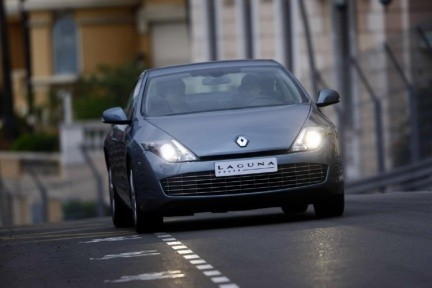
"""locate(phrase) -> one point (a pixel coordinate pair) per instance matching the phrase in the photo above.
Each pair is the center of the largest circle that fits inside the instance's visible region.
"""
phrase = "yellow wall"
(113, 45)
(107, 36)
(104, 36)
(41, 43)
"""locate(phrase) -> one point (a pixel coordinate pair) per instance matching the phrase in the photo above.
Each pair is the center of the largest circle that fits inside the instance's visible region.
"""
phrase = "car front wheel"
(331, 207)
(144, 222)
(120, 213)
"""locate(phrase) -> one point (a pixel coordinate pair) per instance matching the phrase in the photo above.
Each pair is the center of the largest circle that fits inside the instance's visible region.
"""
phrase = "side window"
(130, 107)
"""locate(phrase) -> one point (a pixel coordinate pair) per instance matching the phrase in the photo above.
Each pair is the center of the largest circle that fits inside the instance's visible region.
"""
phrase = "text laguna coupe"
(217, 137)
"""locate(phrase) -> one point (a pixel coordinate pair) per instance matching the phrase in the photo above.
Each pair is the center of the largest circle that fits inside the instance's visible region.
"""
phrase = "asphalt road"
(382, 240)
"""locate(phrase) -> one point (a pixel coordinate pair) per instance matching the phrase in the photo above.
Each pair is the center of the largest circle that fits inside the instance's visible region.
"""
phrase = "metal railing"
(416, 176)
(394, 108)
(90, 134)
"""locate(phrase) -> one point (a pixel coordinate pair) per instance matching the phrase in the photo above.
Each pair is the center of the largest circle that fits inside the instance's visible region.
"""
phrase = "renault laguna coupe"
(217, 137)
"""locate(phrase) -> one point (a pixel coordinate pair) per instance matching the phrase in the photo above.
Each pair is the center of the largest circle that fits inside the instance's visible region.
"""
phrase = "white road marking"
(204, 267)
(220, 279)
(212, 273)
(229, 286)
(148, 276)
(168, 239)
(111, 239)
(163, 235)
(195, 262)
(193, 256)
(207, 269)
(184, 251)
(128, 255)
(179, 247)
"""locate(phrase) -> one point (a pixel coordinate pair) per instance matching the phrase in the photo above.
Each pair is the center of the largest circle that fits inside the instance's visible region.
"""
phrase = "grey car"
(217, 137)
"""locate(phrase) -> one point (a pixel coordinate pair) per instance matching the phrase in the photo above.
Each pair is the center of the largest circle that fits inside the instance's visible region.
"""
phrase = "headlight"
(171, 151)
(310, 138)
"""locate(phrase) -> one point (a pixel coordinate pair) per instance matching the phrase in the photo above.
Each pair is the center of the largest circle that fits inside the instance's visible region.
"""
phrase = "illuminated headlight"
(310, 138)
(171, 151)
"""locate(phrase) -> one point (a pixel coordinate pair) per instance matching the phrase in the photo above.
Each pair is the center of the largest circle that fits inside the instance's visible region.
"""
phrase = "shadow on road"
(232, 220)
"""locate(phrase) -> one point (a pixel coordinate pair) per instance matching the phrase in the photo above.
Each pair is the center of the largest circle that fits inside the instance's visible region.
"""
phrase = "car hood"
(215, 133)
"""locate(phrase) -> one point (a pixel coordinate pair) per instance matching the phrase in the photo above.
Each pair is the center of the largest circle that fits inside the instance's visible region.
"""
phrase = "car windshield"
(220, 89)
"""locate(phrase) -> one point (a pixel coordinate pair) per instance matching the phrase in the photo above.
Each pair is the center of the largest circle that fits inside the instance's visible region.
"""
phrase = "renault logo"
(242, 141)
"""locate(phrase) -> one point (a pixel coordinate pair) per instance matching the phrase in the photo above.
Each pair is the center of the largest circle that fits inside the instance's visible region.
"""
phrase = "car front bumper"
(150, 171)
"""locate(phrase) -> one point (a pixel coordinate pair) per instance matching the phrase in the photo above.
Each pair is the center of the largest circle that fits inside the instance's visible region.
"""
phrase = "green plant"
(36, 143)
(108, 87)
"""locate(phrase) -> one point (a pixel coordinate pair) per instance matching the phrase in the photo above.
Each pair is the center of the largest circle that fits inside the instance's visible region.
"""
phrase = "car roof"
(210, 65)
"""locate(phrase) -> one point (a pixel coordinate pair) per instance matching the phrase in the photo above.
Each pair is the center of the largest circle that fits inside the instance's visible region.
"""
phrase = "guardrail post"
(99, 182)
(5, 204)
(379, 139)
(424, 38)
(414, 139)
(43, 192)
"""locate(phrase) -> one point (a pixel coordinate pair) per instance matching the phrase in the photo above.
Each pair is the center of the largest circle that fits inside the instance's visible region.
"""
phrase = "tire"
(331, 207)
(294, 208)
(120, 213)
(143, 222)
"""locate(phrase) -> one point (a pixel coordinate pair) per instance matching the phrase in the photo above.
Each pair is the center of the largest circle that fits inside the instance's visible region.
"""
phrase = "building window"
(65, 46)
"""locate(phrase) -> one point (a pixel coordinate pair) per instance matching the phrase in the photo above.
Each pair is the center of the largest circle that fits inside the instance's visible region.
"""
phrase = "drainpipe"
(310, 49)
(287, 35)
(247, 27)
(211, 24)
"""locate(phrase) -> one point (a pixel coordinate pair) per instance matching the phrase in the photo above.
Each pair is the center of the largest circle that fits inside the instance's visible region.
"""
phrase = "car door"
(122, 136)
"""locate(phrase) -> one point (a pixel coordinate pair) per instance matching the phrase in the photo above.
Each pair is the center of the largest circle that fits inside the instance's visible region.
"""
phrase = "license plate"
(245, 166)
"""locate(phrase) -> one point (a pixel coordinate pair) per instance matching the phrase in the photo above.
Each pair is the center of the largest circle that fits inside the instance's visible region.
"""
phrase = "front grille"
(206, 183)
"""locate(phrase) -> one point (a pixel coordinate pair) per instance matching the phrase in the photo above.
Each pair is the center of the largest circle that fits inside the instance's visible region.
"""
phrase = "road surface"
(383, 240)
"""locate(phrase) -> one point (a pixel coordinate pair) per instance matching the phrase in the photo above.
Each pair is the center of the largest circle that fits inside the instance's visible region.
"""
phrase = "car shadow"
(232, 220)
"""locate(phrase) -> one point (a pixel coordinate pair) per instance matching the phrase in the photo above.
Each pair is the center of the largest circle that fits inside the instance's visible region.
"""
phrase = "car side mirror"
(327, 97)
(115, 115)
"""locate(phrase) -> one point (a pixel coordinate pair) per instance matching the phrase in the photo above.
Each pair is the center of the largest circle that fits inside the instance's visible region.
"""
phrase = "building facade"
(52, 44)
(373, 52)
(71, 38)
